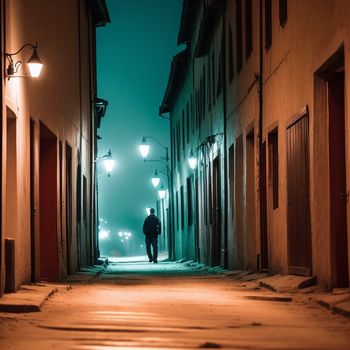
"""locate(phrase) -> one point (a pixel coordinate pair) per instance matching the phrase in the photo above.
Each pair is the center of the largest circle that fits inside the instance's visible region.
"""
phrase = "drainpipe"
(261, 67)
(224, 98)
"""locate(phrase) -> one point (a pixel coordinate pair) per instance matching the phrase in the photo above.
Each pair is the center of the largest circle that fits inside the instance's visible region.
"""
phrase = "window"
(239, 35)
(174, 147)
(201, 101)
(273, 165)
(189, 202)
(183, 130)
(248, 28)
(177, 209)
(213, 76)
(182, 207)
(209, 83)
(178, 143)
(230, 55)
(204, 92)
(210, 202)
(197, 109)
(188, 122)
(268, 24)
(232, 178)
(219, 84)
(283, 12)
(193, 126)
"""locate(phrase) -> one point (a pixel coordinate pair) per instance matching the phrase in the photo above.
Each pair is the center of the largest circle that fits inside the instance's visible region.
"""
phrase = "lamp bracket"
(107, 155)
(13, 67)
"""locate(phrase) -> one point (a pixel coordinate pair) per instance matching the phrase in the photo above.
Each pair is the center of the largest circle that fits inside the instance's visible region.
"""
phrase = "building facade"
(258, 95)
(48, 146)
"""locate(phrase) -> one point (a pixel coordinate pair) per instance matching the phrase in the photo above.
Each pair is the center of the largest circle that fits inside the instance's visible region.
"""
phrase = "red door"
(299, 228)
(48, 205)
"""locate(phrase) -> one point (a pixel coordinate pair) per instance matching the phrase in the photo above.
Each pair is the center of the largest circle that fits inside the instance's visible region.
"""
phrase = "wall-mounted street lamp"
(144, 147)
(108, 162)
(162, 192)
(192, 161)
(109, 165)
(208, 142)
(34, 63)
(155, 179)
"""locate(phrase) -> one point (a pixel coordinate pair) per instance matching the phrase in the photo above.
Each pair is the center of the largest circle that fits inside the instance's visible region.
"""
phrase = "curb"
(29, 298)
(338, 303)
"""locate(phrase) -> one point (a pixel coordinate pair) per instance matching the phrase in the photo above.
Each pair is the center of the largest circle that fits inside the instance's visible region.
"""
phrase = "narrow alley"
(138, 305)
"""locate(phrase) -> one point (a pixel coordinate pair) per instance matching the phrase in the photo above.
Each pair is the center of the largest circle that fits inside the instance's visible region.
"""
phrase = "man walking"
(152, 228)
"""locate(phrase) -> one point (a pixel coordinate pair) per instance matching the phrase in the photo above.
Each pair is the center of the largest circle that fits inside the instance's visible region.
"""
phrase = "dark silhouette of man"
(152, 228)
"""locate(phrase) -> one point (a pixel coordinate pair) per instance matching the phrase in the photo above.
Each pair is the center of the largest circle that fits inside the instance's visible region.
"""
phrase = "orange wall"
(60, 98)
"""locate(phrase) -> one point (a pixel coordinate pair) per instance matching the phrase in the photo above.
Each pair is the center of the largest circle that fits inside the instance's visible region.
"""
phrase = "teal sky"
(134, 53)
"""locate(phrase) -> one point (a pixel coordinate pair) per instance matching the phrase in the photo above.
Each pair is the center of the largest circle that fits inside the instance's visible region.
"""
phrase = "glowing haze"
(134, 53)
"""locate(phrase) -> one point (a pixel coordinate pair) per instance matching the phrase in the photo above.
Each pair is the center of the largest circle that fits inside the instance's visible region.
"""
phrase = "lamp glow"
(109, 165)
(148, 211)
(162, 192)
(144, 148)
(35, 65)
(192, 161)
(103, 234)
(155, 179)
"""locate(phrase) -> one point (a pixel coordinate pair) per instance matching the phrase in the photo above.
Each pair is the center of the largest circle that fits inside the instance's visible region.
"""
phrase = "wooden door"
(69, 208)
(48, 205)
(34, 202)
(263, 212)
(239, 203)
(338, 188)
(299, 235)
(216, 212)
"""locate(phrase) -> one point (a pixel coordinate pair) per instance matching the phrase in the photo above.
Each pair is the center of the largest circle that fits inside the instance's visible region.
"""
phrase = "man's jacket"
(152, 226)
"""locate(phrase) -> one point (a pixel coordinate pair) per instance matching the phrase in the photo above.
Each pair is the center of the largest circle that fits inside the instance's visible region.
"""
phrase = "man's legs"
(148, 248)
(155, 249)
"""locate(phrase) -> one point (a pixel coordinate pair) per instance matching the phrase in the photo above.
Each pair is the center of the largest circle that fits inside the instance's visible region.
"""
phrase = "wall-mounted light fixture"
(144, 147)
(34, 63)
(192, 161)
(108, 162)
(207, 143)
(155, 179)
(162, 192)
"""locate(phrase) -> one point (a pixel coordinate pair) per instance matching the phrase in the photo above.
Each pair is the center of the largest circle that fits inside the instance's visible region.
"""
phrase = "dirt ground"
(167, 306)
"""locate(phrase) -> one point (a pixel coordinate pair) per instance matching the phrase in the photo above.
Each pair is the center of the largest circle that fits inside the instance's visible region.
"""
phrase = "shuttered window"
(273, 166)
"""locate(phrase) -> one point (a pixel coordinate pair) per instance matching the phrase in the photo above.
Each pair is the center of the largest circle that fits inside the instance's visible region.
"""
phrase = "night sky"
(134, 53)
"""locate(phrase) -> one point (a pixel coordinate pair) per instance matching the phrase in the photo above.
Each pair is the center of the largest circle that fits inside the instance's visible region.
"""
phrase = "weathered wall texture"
(49, 139)
(308, 47)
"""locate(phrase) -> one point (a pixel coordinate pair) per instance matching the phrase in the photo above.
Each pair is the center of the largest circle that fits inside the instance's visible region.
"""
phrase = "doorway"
(34, 214)
(69, 206)
(263, 212)
(298, 196)
(239, 202)
(48, 205)
(11, 202)
(337, 179)
(216, 212)
(250, 239)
